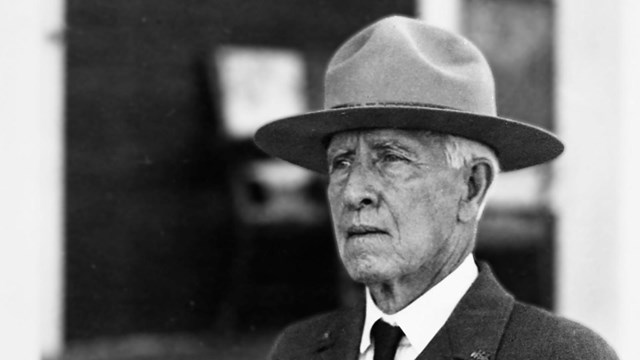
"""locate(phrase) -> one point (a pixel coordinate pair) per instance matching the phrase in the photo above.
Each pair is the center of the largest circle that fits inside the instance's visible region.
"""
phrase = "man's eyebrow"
(333, 152)
(390, 144)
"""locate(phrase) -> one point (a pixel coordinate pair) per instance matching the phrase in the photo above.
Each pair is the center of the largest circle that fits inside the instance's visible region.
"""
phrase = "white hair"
(461, 152)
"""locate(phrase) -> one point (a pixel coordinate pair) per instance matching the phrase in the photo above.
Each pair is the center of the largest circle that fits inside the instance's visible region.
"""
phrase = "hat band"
(393, 103)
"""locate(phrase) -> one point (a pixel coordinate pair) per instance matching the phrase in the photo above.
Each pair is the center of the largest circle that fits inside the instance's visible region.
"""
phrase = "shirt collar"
(421, 320)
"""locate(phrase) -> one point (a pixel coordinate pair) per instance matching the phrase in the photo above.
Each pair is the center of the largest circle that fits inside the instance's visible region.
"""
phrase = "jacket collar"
(476, 325)
(472, 332)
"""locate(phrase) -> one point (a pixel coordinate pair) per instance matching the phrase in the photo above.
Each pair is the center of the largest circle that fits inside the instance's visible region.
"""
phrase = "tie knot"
(385, 340)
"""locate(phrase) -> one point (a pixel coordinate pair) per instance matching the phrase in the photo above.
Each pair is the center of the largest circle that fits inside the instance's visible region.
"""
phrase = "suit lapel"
(341, 338)
(474, 329)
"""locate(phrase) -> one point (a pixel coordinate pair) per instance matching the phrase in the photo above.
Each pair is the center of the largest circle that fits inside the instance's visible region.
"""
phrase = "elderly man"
(411, 143)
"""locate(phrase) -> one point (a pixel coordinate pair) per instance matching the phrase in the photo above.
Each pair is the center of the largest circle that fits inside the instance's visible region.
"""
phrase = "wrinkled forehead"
(417, 140)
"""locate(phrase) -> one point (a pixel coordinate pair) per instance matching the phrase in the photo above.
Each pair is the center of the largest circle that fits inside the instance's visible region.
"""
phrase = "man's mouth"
(363, 230)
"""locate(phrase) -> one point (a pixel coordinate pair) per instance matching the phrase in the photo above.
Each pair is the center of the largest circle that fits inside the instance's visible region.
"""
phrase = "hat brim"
(302, 139)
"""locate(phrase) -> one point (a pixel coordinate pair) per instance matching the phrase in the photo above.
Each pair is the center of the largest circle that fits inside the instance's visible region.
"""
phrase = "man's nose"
(360, 190)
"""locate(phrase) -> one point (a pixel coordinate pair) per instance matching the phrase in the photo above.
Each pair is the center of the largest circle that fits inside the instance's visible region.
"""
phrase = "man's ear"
(477, 177)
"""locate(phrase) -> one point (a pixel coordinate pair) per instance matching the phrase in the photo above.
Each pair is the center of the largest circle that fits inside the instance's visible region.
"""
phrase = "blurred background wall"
(179, 239)
(153, 175)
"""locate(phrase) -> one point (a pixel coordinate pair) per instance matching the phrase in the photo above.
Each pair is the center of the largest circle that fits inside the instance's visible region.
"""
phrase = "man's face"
(394, 202)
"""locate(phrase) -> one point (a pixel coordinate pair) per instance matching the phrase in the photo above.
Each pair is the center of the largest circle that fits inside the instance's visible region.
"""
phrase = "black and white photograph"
(287, 180)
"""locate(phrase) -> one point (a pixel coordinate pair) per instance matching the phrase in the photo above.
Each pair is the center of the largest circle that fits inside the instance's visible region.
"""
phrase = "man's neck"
(394, 295)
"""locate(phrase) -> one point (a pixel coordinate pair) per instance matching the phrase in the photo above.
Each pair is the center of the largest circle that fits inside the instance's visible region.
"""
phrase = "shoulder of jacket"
(301, 335)
(557, 337)
(314, 325)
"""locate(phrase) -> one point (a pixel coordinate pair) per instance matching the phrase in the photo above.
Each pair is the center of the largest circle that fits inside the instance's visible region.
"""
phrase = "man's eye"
(340, 163)
(392, 158)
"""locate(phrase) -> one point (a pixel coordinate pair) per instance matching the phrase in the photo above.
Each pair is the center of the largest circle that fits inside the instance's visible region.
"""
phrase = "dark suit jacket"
(486, 324)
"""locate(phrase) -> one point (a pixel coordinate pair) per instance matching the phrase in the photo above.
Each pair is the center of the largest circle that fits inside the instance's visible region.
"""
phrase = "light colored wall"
(442, 13)
(31, 183)
(596, 194)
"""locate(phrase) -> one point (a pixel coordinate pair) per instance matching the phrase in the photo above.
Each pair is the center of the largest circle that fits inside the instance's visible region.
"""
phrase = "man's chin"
(369, 276)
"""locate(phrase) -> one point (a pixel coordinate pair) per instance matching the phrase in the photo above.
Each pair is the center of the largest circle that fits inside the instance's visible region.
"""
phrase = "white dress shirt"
(420, 320)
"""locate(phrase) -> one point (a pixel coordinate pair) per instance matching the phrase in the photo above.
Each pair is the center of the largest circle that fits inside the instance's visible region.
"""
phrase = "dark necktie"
(385, 340)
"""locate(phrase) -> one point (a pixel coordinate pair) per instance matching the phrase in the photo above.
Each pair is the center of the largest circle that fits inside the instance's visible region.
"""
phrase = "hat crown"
(398, 60)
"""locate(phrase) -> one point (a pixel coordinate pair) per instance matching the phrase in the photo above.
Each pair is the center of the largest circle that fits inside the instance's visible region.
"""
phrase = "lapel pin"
(479, 355)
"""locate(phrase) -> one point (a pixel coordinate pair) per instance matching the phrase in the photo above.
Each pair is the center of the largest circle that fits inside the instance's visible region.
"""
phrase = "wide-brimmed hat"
(401, 73)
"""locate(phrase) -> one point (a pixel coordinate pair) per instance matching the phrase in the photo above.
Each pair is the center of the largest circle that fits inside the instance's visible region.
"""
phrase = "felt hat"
(401, 73)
